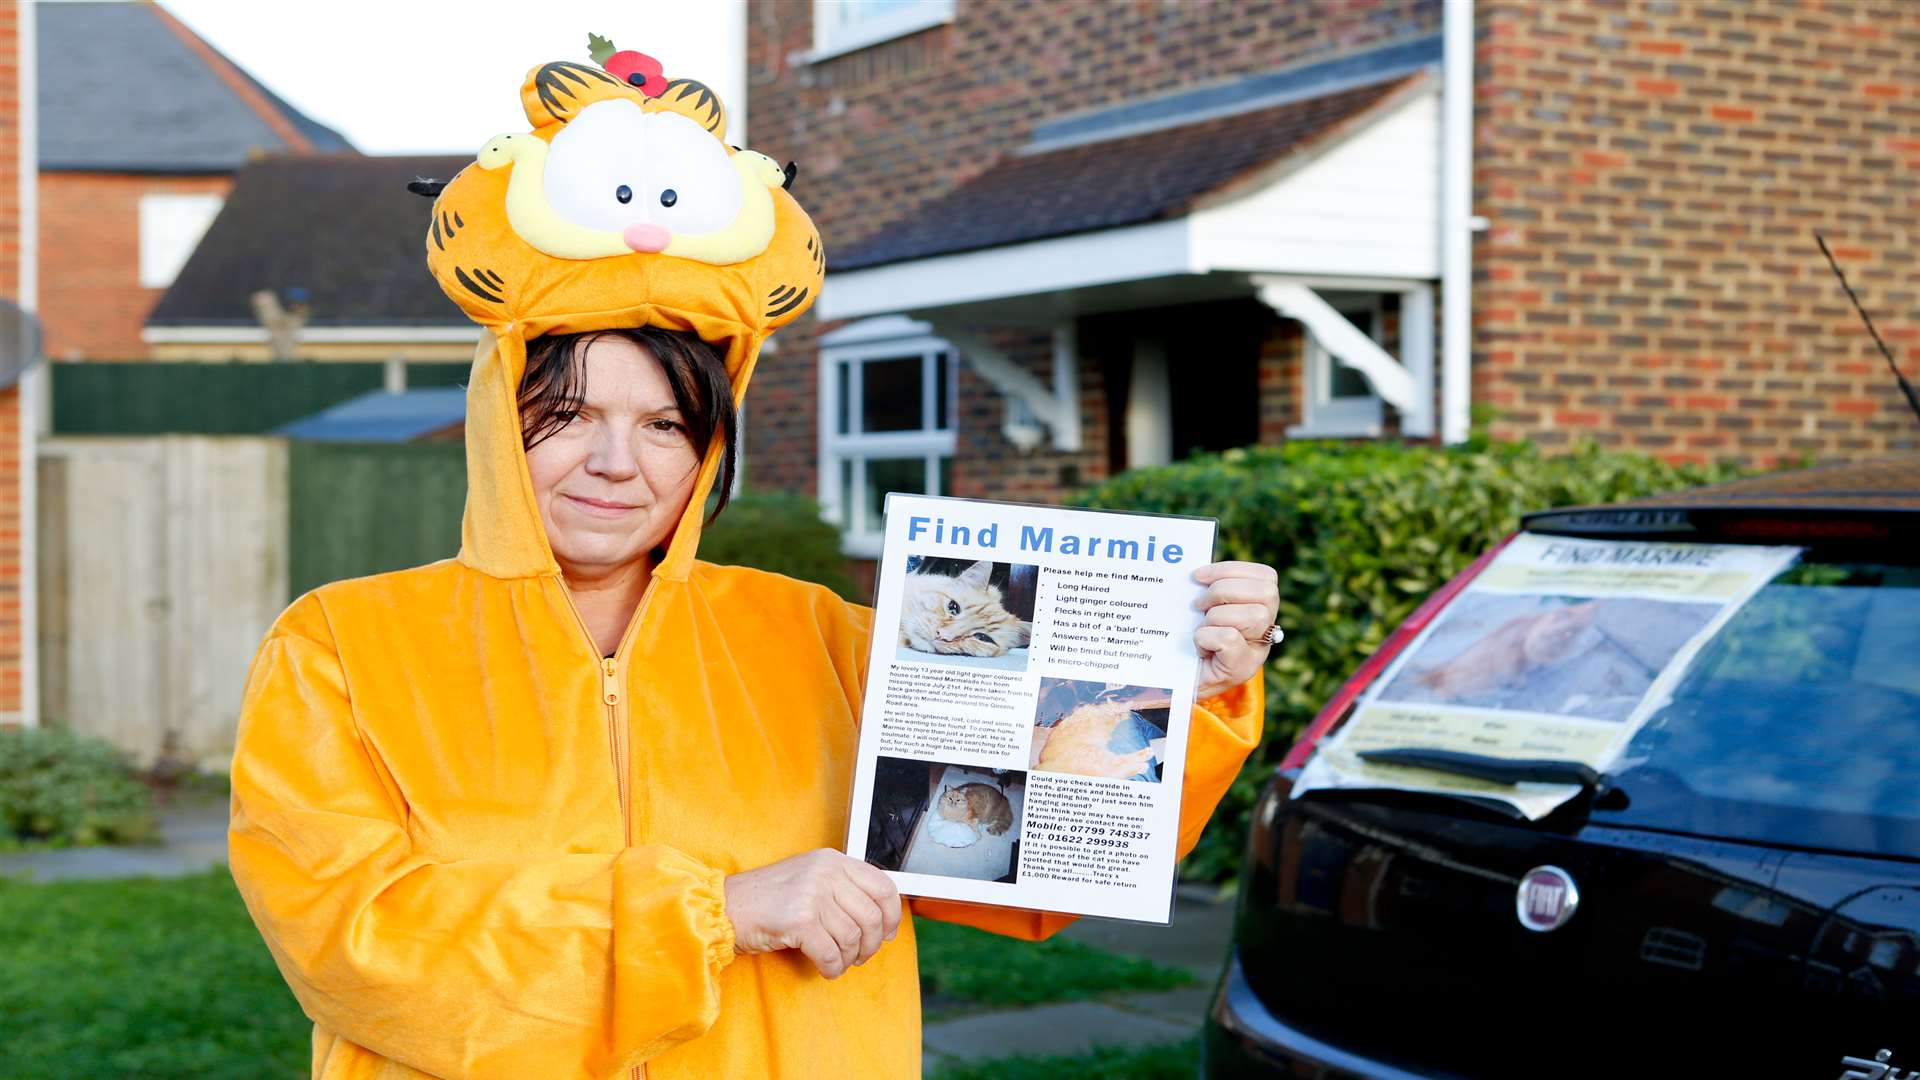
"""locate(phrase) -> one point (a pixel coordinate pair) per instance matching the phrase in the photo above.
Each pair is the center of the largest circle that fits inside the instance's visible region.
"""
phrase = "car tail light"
(1336, 709)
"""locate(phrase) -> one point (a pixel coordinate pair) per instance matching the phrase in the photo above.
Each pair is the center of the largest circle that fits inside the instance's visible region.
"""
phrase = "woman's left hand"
(1241, 602)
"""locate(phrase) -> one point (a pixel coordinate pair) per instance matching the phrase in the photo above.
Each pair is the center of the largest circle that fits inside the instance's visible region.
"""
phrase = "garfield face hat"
(623, 207)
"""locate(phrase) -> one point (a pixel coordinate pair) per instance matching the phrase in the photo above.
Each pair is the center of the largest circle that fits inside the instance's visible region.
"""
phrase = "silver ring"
(1273, 636)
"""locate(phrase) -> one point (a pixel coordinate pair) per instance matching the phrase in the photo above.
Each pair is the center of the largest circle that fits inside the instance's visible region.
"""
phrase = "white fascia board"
(1368, 205)
(320, 335)
(1162, 249)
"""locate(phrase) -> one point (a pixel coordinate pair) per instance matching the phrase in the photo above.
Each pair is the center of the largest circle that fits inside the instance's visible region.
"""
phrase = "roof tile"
(121, 91)
(342, 227)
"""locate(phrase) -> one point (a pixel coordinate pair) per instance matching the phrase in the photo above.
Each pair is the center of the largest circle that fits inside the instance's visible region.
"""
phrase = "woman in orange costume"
(564, 806)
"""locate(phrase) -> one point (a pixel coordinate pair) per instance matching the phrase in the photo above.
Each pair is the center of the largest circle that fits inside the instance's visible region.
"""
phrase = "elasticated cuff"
(713, 894)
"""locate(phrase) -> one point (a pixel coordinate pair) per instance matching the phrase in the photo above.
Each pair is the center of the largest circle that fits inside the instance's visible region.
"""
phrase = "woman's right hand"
(834, 908)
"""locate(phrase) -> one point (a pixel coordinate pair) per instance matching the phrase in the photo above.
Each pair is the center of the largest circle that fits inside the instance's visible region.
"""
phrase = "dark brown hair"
(552, 389)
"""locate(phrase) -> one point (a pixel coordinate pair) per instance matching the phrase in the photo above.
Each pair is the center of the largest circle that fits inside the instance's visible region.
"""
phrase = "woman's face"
(613, 482)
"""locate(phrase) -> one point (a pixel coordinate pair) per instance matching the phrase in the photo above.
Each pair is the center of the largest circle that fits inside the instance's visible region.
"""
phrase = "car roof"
(1886, 489)
(1887, 484)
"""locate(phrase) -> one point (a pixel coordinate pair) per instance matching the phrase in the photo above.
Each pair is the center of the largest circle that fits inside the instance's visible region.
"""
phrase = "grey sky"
(436, 76)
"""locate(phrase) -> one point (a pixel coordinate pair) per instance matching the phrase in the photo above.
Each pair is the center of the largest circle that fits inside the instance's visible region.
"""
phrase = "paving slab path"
(193, 838)
(1196, 940)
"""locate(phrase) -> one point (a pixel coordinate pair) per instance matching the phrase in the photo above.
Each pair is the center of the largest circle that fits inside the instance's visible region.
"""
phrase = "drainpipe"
(1456, 221)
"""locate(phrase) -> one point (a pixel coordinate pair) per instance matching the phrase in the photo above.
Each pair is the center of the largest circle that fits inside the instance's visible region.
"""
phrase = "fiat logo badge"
(1546, 899)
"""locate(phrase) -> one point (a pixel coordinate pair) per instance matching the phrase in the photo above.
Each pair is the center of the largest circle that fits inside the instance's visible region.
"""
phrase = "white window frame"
(838, 29)
(1324, 416)
(844, 504)
(171, 225)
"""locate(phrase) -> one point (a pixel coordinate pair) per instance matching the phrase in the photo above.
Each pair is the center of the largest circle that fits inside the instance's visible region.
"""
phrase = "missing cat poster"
(1027, 702)
(1560, 650)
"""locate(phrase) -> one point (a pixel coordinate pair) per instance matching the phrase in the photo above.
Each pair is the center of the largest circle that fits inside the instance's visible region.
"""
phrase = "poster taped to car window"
(1557, 652)
(1027, 702)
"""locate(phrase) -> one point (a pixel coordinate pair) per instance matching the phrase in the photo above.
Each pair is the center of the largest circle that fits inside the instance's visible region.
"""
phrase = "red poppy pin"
(636, 69)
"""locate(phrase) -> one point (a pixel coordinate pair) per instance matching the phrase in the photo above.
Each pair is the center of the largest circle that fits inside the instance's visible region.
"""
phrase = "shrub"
(1361, 533)
(62, 789)
(780, 533)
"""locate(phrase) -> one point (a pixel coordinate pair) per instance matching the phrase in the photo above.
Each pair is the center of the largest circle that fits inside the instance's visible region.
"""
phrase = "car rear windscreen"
(1797, 724)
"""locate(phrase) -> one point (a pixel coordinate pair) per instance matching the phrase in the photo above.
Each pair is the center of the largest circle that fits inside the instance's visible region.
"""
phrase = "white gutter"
(29, 397)
(1456, 221)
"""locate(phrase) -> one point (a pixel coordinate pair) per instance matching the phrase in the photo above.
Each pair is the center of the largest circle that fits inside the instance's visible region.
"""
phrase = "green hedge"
(781, 533)
(59, 789)
(1361, 533)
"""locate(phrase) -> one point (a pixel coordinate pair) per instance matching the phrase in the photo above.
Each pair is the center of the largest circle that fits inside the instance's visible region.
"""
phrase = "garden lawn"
(164, 979)
(150, 978)
(967, 970)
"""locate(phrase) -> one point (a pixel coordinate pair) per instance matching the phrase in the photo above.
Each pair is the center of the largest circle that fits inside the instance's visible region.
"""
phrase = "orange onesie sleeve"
(564, 965)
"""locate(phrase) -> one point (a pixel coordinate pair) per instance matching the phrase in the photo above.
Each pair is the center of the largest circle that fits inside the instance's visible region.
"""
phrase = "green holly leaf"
(599, 48)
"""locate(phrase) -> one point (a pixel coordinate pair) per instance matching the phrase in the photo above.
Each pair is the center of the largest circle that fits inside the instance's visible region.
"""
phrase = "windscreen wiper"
(1498, 770)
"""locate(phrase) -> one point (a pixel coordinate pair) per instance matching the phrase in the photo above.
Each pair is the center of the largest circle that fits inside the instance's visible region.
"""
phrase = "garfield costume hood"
(476, 847)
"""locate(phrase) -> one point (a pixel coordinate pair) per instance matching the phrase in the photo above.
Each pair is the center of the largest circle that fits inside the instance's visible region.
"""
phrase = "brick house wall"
(1653, 173)
(879, 131)
(13, 555)
(92, 304)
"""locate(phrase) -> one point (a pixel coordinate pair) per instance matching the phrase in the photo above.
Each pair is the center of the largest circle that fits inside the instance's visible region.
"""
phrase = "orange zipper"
(611, 696)
(611, 693)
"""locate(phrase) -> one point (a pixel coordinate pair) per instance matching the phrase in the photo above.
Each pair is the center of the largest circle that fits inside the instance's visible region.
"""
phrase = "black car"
(1739, 897)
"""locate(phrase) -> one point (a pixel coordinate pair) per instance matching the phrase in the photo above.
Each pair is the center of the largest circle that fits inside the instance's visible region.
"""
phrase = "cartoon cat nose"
(647, 238)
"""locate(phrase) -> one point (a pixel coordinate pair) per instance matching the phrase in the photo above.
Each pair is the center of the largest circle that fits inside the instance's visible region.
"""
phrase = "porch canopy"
(1280, 187)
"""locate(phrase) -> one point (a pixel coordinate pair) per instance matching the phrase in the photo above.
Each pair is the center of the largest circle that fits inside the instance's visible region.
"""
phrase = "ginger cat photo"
(960, 612)
(1078, 744)
(1099, 729)
(946, 820)
(982, 806)
(1593, 657)
(1520, 646)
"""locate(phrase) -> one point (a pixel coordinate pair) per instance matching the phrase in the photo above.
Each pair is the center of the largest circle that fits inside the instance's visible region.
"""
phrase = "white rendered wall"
(1370, 205)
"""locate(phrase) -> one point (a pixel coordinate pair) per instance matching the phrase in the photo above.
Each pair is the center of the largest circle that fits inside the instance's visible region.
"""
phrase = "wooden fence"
(162, 562)
(165, 558)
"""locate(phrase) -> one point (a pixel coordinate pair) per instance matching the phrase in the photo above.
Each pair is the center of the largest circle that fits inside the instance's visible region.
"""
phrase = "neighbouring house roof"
(379, 416)
(1128, 179)
(125, 87)
(1885, 483)
(342, 228)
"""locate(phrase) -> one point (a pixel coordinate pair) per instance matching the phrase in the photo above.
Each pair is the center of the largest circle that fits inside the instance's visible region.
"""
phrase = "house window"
(170, 228)
(887, 422)
(1339, 402)
(841, 26)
